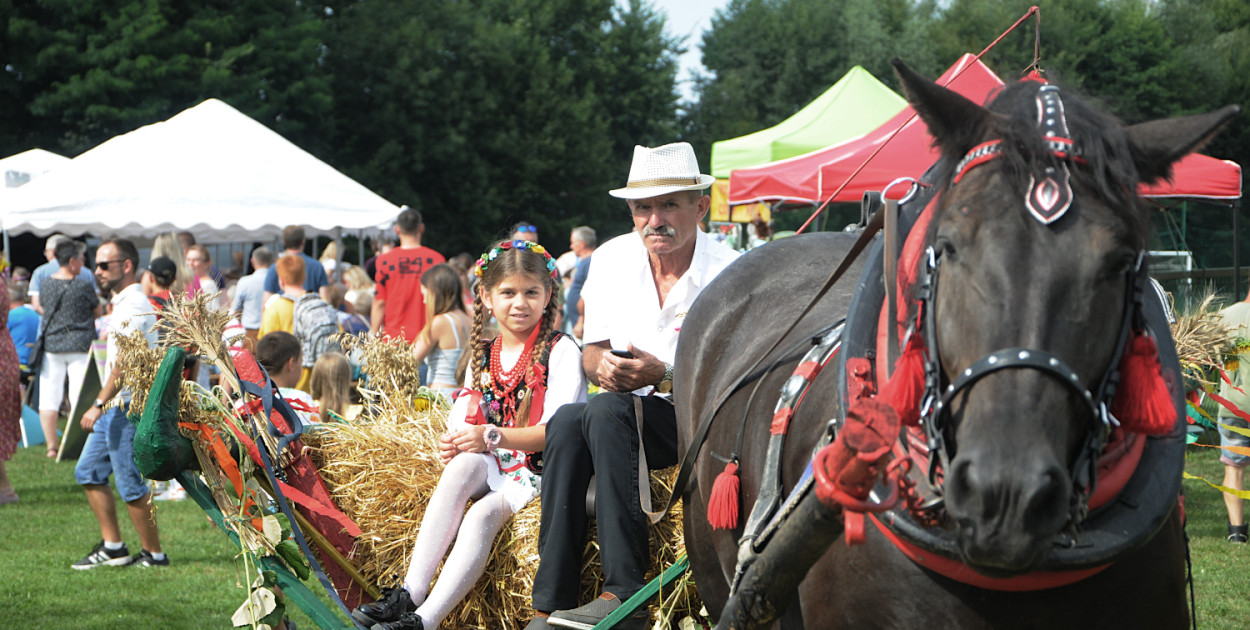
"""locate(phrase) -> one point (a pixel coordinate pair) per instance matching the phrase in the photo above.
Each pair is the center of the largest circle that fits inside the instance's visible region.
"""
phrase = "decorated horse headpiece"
(1132, 394)
(487, 258)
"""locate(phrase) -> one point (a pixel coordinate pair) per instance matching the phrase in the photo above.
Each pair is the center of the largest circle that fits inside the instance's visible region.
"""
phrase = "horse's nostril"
(965, 486)
(1047, 500)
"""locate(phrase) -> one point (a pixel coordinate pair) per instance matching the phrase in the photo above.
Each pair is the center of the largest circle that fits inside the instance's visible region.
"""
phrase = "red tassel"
(905, 389)
(722, 507)
(1143, 403)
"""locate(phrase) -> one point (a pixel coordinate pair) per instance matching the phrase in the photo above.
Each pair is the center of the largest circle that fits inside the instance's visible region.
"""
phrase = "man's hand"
(89, 417)
(617, 374)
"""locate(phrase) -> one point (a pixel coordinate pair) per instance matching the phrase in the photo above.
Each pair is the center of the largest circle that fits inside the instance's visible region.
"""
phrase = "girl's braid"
(475, 340)
(540, 352)
(545, 331)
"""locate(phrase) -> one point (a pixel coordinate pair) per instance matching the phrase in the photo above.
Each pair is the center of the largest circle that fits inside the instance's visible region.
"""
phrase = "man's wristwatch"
(99, 404)
(666, 385)
(492, 436)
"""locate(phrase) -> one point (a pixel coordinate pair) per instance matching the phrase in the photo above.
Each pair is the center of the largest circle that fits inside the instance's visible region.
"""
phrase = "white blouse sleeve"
(566, 382)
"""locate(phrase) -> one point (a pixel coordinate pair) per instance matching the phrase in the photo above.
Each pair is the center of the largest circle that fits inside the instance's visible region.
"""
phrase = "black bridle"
(936, 403)
(1049, 198)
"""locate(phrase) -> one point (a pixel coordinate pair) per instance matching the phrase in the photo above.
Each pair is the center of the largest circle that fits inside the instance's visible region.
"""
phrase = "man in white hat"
(639, 289)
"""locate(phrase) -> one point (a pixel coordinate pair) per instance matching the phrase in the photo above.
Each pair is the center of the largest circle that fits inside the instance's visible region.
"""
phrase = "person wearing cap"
(42, 272)
(639, 288)
(157, 280)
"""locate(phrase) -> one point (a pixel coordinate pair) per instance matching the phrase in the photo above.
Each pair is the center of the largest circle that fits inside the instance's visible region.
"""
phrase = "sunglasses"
(104, 264)
(527, 228)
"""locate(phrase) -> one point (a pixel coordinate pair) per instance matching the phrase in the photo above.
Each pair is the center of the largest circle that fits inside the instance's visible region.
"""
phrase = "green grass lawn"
(1221, 569)
(52, 527)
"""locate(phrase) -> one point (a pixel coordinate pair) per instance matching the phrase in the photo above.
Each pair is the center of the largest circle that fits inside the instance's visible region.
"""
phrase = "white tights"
(462, 480)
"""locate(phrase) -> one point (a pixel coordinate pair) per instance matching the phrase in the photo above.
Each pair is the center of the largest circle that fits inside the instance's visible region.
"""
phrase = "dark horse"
(1012, 492)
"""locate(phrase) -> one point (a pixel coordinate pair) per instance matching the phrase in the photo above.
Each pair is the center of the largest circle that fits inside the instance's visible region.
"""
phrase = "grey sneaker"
(101, 555)
(586, 617)
(144, 559)
(538, 623)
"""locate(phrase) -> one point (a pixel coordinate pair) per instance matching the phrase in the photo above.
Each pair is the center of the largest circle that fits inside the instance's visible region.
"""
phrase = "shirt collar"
(121, 295)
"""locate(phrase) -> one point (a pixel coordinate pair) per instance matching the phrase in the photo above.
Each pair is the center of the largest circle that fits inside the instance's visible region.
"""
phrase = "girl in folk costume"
(514, 383)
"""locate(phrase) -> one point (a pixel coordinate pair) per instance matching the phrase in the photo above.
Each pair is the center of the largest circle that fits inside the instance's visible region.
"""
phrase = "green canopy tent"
(855, 105)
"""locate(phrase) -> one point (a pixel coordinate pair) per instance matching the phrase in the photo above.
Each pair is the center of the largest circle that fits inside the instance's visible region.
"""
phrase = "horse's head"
(1023, 269)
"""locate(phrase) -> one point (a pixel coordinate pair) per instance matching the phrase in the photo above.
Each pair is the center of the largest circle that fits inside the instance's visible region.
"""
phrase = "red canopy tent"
(820, 175)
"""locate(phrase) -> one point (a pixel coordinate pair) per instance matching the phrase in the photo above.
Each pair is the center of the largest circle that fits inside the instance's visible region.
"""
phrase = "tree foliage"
(78, 72)
(485, 112)
(479, 112)
(766, 59)
(482, 113)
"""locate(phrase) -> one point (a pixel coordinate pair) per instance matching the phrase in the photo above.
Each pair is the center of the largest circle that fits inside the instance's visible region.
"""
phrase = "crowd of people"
(514, 340)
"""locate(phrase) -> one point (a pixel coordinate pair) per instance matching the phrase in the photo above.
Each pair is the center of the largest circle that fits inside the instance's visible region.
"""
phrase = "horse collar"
(1050, 187)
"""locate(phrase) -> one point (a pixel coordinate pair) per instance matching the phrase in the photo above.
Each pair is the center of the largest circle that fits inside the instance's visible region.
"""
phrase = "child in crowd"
(278, 312)
(447, 327)
(515, 382)
(331, 384)
(279, 353)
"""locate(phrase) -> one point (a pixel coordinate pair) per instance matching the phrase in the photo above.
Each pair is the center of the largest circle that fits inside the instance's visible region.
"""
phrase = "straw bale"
(381, 473)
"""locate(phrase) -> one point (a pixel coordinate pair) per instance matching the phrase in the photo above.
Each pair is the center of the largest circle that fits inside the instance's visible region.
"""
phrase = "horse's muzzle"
(1008, 512)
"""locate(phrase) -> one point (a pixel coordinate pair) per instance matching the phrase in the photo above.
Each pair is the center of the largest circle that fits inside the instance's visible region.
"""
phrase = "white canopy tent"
(21, 168)
(210, 170)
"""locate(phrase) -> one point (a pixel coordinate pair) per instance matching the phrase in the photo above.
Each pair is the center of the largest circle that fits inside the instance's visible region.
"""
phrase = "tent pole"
(1236, 252)
(360, 246)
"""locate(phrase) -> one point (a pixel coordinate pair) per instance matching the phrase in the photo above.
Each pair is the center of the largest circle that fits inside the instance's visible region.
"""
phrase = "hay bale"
(1202, 341)
(382, 473)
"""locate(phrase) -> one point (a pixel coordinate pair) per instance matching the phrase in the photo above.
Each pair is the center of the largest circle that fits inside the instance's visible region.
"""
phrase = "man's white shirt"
(623, 305)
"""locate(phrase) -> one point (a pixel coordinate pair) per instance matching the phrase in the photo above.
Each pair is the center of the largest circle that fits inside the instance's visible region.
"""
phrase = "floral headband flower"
(482, 263)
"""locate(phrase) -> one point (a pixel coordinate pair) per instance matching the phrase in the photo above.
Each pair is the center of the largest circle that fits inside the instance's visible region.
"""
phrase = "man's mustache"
(662, 230)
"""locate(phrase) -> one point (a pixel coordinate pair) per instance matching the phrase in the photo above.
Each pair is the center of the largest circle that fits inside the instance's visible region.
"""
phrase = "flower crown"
(482, 263)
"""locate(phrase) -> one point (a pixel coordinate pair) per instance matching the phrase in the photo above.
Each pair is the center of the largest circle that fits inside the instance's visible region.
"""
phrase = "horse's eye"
(1121, 262)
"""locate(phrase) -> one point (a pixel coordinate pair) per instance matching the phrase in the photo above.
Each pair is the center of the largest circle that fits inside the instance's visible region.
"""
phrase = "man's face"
(525, 235)
(109, 267)
(668, 223)
(577, 247)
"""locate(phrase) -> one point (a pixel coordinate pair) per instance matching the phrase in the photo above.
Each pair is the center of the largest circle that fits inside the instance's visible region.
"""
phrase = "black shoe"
(390, 607)
(407, 621)
(144, 560)
(1237, 533)
(102, 555)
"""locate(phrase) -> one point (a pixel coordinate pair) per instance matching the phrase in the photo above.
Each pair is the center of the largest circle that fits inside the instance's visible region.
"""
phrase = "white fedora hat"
(663, 170)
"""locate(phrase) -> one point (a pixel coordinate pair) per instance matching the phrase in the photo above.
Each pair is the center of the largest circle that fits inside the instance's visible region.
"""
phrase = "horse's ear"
(957, 123)
(1158, 144)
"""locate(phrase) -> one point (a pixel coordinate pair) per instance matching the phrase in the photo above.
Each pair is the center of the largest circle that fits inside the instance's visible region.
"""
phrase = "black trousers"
(600, 438)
